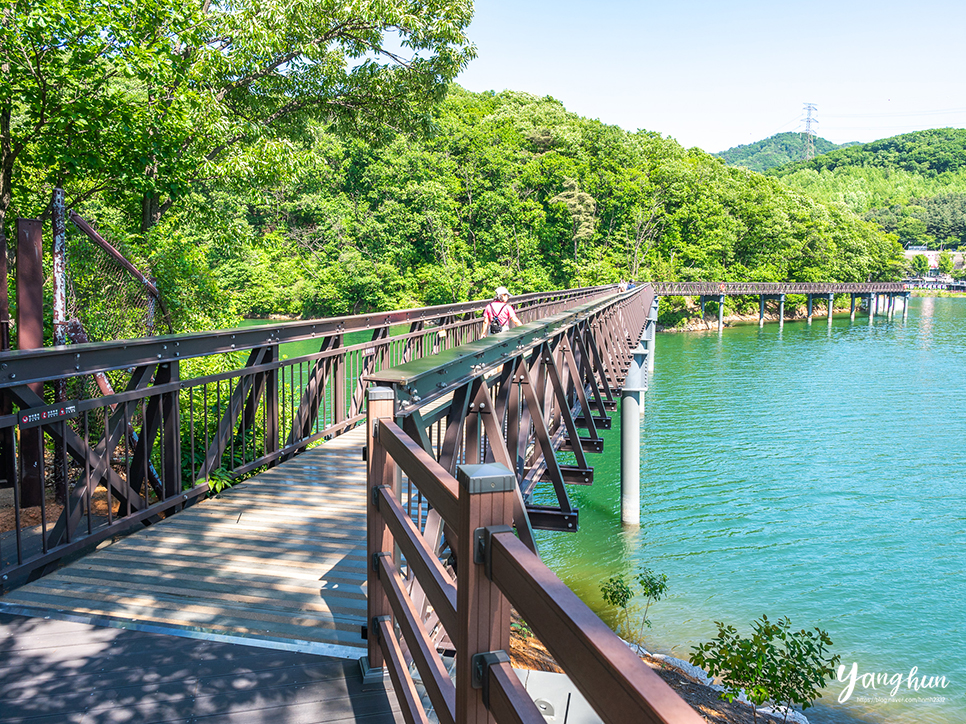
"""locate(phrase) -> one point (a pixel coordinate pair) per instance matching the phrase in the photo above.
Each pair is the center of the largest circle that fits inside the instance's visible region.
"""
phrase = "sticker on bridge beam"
(37, 416)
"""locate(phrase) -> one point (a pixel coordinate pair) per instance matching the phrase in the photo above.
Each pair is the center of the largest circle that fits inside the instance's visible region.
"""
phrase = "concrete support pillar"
(831, 306)
(809, 308)
(720, 312)
(781, 310)
(761, 310)
(631, 410)
(704, 301)
(905, 305)
(871, 308)
(852, 310)
(650, 334)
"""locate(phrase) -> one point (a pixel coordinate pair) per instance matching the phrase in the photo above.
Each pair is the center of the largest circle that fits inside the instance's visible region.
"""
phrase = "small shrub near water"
(774, 665)
(619, 591)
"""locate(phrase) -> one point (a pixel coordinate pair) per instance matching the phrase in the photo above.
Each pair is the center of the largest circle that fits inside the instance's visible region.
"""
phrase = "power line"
(900, 114)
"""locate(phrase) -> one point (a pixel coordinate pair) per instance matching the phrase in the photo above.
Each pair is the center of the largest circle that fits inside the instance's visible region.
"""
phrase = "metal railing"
(686, 289)
(152, 424)
(505, 400)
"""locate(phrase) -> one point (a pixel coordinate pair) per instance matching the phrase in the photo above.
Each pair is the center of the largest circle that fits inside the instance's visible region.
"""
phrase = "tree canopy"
(912, 185)
(930, 153)
(314, 157)
(146, 101)
(513, 190)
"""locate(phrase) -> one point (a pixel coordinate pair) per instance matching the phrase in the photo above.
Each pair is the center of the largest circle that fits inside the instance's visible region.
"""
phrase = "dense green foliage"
(512, 189)
(144, 102)
(928, 153)
(774, 151)
(913, 186)
(300, 158)
(934, 221)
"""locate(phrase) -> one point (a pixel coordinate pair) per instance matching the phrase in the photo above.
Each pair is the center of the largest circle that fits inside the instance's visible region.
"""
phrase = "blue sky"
(720, 74)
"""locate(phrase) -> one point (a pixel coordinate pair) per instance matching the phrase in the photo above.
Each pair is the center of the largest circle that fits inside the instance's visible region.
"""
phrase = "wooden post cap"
(489, 478)
(381, 393)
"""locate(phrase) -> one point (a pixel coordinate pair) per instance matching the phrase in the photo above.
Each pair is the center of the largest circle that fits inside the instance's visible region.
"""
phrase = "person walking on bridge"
(499, 314)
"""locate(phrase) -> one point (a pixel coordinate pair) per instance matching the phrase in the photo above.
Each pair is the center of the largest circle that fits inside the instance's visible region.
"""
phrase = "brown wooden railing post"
(483, 613)
(30, 335)
(382, 472)
(171, 432)
(8, 457)
(271, 406)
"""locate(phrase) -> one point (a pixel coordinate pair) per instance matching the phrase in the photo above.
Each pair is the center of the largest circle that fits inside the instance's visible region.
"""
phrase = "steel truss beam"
(516, 398)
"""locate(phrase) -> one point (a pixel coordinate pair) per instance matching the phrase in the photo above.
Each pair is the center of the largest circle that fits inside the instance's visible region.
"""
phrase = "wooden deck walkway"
(277, 561)
(244, 608)
(61, 672)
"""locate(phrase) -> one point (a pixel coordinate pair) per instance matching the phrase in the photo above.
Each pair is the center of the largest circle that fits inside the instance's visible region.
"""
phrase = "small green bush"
(776, 664)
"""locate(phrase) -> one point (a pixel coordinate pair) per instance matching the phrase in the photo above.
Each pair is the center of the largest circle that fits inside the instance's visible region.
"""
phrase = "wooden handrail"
(618, 685)
(439, 687)
(402, 683)
(509, 700)
(436, 584)
(434, 482)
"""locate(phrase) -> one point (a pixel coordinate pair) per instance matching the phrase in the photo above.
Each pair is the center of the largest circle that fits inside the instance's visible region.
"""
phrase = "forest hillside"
(774, 151)
(913, 185)
(508, 189)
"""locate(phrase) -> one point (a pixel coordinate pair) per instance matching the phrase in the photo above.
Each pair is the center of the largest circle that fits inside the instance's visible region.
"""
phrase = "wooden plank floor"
(60, 672)
(276, 561)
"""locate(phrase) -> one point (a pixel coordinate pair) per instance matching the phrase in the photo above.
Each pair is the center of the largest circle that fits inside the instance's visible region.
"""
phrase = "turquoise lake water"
(815, 472)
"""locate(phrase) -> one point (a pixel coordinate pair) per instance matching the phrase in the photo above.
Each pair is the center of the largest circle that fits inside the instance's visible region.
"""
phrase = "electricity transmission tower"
(810, 131)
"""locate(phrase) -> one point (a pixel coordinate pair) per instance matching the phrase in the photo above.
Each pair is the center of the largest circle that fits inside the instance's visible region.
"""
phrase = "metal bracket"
(546, 517)
(482, 546)
(375, 560)
(480, 669)
(592, 445)
(602, 423)
(376, 496)
(376, 620)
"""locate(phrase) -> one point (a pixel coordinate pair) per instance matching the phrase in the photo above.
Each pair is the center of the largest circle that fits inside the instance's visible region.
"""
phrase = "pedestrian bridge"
(347, 465)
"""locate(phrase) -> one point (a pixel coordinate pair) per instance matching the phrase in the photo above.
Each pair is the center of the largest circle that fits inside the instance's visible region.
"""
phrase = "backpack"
(495, 326)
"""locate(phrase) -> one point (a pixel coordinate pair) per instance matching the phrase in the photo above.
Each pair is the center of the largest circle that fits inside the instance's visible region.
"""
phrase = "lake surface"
(815, 472)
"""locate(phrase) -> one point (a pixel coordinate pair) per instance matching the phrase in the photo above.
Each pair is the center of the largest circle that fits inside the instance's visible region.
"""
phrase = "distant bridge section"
(873, 293)
(731, 289)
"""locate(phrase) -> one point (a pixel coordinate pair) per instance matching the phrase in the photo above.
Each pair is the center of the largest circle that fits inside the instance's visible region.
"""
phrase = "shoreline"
(710, 324)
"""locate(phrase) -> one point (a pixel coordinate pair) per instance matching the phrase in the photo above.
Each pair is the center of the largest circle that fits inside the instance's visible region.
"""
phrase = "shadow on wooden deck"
(57, 672)
(278, 561)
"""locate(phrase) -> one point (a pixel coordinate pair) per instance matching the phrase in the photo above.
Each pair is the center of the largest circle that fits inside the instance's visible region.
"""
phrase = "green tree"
(653, 587)
(147, 100)
(920, 265)
(582, 210)
(945, 263)
(616, 591)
